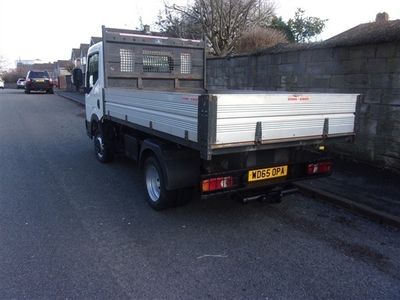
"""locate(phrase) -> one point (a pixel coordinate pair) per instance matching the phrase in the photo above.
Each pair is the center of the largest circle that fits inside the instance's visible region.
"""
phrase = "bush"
(12, 76)
(260, 38)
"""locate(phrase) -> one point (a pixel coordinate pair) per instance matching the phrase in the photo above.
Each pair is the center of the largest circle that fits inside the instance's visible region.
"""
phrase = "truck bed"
(231, 118)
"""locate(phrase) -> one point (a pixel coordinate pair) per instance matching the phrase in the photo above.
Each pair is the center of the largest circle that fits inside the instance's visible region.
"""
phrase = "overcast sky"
(47, 30)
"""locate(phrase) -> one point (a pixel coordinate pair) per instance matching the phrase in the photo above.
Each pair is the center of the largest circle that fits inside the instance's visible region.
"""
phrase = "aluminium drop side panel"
(171, 113)
(283, 116)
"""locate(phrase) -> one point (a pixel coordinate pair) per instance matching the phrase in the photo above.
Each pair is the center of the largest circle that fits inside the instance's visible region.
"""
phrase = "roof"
(95, 40)
(83, 49)
(42, 67)
(63, 63)
(363, 34)
(368, 33)
(75, 53)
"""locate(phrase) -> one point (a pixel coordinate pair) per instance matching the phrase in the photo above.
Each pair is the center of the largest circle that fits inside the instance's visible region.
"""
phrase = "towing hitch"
(270, 197)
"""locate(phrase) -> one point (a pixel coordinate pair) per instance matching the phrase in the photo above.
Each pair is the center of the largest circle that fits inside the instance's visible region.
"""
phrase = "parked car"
(21, 83)
(1, 84)
(38, 81)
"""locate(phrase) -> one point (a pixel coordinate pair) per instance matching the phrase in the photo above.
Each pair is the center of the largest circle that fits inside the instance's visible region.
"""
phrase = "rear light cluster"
(217, 183)
(319, 168)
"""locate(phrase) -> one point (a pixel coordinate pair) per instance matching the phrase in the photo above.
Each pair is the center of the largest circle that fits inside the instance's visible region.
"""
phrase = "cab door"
(93, 97)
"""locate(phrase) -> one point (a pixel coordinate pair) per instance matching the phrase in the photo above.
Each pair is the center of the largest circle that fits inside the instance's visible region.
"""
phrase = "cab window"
(93, 70)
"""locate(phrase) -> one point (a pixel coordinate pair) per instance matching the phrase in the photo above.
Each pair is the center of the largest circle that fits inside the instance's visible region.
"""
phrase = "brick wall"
(372, 70)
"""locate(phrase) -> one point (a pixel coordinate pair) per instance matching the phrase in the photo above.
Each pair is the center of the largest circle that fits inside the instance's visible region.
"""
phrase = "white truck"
(146, 96)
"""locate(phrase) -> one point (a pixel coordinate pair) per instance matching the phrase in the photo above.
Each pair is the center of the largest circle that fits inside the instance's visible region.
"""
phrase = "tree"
(279, 24)
(221, 21)
(181, 25)
(304, 28)
(3, 65)
(70, 67)
(300, 28)
(260, 38)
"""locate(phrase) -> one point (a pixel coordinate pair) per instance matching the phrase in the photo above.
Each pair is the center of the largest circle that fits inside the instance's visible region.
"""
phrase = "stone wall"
(372, 70)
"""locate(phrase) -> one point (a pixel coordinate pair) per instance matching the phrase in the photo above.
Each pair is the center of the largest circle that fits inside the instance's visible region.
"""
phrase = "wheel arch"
(93, 125)
(180, 167)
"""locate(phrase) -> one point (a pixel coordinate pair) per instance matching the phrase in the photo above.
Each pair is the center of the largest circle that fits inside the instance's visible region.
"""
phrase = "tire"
(50, 91)
(27, 91)
(103, 148)
(158, 196)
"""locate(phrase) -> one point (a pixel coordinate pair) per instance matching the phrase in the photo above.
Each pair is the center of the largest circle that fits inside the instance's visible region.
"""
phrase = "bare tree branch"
(221, 21)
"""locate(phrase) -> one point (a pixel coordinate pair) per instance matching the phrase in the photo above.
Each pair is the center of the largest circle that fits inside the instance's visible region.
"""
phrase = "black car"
(38, 81)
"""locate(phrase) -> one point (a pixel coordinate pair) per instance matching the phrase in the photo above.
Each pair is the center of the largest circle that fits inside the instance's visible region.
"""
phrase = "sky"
(48, 30)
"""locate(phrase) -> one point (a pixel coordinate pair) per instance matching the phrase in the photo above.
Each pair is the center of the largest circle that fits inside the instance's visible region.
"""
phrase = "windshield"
(34, 74)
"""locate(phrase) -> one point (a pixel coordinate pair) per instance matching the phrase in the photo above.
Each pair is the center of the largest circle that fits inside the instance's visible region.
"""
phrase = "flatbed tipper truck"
(146, 97)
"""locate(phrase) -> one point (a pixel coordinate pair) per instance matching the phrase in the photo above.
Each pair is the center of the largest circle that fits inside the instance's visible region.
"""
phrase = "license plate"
(39, 80)
(267, 173)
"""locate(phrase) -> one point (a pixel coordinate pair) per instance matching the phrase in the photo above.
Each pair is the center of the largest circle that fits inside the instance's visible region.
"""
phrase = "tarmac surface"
(71, 227)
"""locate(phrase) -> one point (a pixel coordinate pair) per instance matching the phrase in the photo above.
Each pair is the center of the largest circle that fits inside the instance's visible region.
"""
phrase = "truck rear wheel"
(157, 195)
(102, 148)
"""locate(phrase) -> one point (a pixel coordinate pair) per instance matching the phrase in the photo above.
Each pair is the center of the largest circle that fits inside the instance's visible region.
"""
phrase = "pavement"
(74, 96)
(364, 189)
(368, 190)
(73, 228)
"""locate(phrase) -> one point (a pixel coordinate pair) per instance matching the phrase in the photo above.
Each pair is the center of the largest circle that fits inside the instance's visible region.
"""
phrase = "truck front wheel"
(157, 195)
(102, 148)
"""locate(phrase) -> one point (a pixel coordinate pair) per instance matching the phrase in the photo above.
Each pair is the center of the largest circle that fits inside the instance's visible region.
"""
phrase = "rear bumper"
(39, 86)
(243, 188)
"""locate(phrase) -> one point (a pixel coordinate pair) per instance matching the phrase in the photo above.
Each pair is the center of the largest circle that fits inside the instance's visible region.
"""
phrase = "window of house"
(157, 61)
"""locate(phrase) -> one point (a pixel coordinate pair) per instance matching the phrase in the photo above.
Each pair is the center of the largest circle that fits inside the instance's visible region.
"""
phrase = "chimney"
(146, 29)
(382, 17)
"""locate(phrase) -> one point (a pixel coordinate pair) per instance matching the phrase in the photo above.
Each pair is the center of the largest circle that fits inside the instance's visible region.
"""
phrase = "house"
(23, 68)
(83, 50)
(62, 73)
(62, 67)
(95, 40)
(75, 54)
(381, 31)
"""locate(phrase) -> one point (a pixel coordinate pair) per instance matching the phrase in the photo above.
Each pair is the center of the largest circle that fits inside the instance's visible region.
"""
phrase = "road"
(71, 227)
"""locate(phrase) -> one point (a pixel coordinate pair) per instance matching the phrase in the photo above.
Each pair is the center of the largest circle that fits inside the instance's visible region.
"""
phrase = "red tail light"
(319, 168)
(217, 183)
